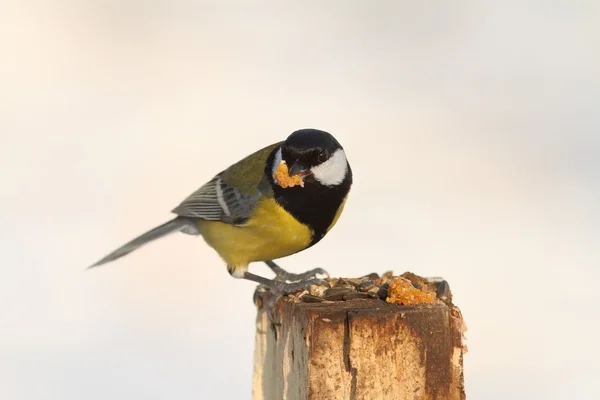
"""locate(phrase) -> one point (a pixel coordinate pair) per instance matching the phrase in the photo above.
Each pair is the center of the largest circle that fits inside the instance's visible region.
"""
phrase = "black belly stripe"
(314, 205)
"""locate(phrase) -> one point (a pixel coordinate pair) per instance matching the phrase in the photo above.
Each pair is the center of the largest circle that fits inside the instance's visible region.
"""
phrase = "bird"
(275, 202)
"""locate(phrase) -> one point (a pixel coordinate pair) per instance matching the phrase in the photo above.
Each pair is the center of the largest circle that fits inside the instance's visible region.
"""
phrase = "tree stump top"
(361, 348)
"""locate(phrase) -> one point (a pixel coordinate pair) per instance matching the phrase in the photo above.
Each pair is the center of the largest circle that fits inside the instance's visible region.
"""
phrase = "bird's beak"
(300, 170)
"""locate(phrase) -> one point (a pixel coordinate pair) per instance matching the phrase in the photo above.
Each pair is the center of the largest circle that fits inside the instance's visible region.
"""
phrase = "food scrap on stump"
(402, 291)
(407, 289)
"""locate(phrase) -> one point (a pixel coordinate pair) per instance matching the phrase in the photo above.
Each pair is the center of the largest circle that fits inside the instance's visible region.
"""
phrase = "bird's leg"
(278, 288)
(282, 275)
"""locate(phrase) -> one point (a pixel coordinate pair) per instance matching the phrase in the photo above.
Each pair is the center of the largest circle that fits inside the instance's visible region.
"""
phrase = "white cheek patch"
(333, 171)
(276, 161)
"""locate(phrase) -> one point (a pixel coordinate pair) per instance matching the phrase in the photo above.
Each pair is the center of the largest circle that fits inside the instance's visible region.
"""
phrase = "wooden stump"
(359, 349)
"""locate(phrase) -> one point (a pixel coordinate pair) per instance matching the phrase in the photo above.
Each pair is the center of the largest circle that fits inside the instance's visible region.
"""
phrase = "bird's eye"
(322, 156)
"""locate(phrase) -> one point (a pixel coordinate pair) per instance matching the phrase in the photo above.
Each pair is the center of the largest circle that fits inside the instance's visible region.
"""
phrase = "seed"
(443, 291)
(416, 285)
(336, 293)
(309, 298)
(356, 295)
(366, 285)
(343, 283)
(355, 282)
(384, 291)
(336, 290)
(373, 276)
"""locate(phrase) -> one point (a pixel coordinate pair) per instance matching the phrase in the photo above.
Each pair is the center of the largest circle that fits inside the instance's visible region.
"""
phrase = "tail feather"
(165, 229)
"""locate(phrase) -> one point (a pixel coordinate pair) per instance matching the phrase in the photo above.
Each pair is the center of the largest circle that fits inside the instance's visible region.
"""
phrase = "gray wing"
(217, 201)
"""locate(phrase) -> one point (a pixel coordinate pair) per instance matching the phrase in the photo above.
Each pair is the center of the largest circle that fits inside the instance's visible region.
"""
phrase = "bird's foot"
(282, 275)
(271, 290)
(280, 289)
(304, 276)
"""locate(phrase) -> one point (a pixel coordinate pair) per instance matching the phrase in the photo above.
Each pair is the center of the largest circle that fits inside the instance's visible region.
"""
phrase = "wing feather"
(232, 194)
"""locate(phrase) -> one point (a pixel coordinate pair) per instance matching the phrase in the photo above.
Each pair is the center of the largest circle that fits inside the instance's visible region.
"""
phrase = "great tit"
(278, 201)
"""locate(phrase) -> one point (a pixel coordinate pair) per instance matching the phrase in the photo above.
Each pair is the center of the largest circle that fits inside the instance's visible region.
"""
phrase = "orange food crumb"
(401, 291)
(282, 175)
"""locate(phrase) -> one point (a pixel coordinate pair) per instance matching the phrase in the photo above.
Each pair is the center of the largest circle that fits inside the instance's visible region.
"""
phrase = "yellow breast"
(271, 233)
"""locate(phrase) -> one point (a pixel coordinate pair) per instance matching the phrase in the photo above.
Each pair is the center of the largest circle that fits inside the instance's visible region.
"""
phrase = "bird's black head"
(310, 147)
(314, 155)
(310, 177)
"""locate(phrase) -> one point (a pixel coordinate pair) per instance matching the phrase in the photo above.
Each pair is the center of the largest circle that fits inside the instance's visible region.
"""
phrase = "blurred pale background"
(472, 128)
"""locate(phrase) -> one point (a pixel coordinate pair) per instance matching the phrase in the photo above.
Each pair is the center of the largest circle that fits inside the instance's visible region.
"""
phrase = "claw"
(282, 275)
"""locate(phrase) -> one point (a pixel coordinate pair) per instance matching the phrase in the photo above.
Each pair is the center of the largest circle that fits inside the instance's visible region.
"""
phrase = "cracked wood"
(359, 349)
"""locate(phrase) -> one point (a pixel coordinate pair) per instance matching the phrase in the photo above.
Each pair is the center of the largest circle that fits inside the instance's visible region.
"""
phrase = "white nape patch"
(276, 161)
(220, 198)
(333, 171)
